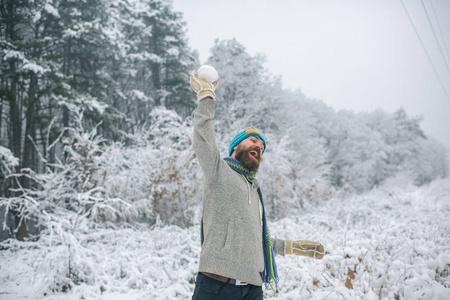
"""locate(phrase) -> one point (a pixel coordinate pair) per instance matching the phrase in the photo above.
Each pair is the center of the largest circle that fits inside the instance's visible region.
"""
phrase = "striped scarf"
(270, 269)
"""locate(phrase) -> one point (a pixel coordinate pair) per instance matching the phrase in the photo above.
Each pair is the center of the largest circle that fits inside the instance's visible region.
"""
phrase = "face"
(249, 152)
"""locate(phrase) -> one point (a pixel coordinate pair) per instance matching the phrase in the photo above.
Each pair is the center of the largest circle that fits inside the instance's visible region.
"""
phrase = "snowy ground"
(387, 244)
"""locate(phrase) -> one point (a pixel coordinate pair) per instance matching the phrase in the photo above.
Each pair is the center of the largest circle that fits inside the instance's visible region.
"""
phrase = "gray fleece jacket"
(232, 211)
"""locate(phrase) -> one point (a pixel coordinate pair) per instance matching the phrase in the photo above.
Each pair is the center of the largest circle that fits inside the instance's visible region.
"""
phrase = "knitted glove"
(203, 88)
(304, 248)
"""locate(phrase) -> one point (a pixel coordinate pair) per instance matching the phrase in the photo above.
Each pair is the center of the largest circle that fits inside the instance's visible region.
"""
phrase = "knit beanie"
(243, 135)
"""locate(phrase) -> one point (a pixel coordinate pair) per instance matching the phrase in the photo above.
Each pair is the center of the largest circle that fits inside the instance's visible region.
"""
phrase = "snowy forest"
(100, 190)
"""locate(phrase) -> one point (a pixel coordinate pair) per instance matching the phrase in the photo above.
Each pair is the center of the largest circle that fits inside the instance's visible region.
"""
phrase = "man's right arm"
(205, 145)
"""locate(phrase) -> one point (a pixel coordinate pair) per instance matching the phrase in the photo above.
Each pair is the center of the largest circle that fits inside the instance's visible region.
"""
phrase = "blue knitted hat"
(243, 135)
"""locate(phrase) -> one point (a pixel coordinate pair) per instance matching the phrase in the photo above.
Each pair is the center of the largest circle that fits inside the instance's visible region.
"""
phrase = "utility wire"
(435, 36)
(425, 49)
(439, 27)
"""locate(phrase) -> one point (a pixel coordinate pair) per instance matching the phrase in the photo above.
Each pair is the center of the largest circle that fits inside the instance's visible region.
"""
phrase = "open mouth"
(254, 155)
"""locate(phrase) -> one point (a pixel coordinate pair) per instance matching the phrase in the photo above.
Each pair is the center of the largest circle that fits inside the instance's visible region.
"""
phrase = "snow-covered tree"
(152, 60)
(248, 93)
(115, 61)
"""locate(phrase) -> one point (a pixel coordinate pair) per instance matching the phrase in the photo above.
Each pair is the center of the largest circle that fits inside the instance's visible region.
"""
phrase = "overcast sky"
(353, 54)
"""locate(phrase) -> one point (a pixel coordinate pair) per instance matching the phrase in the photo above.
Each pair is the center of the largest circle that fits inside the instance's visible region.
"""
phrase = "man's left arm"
(278, 246)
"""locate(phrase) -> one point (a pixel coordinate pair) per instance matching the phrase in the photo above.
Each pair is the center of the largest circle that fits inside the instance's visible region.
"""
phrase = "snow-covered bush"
(68, 198)
(7, 162)
(390, 243)
(156, 172)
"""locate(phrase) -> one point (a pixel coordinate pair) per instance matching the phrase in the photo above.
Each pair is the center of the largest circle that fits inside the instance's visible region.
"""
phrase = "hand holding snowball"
(204, 82)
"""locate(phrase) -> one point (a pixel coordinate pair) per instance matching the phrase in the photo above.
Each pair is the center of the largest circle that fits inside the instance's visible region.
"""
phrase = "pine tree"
(151, 62)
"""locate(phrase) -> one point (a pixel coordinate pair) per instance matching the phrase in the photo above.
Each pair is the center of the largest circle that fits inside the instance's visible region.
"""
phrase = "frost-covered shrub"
(156, 172)
(7, 162)
(391, 243)
(68, 198)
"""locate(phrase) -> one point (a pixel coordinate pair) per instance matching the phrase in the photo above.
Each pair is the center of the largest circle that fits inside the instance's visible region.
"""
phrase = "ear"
(233, 154)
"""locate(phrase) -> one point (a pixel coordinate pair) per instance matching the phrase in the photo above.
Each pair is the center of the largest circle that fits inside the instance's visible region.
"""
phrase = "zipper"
(249, 198)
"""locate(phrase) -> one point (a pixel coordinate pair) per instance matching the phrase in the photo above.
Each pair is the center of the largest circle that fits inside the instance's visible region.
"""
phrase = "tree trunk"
(156, 74)
(15, 117)
(28, 148)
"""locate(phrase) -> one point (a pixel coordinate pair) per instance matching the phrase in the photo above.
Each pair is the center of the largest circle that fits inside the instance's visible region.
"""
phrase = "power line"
(425, 49)
(435, 36)
(439, 27)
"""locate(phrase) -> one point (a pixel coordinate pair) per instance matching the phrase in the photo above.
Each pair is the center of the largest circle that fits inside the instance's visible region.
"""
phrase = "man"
(237, 254)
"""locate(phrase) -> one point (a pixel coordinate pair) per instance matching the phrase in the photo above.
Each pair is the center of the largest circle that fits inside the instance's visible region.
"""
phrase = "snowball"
(207, 73)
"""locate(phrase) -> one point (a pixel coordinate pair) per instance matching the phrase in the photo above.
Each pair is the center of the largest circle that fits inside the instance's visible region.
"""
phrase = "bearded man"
(238, 254)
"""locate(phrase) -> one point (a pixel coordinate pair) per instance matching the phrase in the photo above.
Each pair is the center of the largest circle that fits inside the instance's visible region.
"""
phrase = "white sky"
(352, 54)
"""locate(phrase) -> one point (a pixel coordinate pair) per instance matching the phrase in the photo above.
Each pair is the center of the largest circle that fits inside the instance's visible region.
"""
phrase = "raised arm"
(205, 145)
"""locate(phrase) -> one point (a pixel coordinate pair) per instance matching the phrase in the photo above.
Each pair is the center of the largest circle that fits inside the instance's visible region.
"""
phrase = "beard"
(243, 155)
